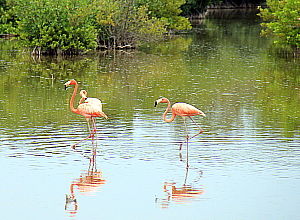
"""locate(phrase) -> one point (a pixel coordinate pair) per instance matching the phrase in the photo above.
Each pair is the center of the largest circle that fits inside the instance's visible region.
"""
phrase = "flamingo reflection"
(180, 194)
(88, 183)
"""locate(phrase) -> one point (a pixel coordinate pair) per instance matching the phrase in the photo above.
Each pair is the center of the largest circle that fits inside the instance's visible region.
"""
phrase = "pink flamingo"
(87, 110)
(183, 110)
(92, 101)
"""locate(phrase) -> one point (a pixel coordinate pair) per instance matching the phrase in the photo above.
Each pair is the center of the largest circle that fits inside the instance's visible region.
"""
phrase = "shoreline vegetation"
(69, 27)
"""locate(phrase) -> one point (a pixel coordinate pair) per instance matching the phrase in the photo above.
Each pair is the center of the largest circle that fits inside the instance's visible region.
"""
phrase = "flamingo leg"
(91, 135)
(187, 154)
(94, 125)
(91, 132)
(200, 131)
(88, 123)
(94, 130)
(187, 144)
(187, 135)
(92, 166)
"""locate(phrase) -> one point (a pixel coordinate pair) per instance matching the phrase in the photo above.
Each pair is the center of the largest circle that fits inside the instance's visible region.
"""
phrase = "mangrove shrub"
(124, 24)
(168, 12)
(55, 26)
(72, 26)
(282, 20)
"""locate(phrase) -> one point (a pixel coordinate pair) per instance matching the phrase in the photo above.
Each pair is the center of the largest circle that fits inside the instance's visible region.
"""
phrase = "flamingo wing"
(94, 101)
(184, 109)
(89, 110)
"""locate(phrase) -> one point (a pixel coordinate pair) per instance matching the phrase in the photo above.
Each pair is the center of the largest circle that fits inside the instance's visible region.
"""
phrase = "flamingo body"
(184, 109)
(89, 110)
(93, 101)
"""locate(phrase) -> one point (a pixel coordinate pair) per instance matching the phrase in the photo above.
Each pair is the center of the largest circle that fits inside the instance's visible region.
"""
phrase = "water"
(244, 166)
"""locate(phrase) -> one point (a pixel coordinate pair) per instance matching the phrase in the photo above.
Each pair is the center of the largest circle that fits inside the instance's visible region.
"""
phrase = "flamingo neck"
(165, 114)
(72, 99)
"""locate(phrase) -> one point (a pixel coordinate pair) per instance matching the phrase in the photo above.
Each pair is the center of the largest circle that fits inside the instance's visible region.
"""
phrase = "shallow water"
(245, 165)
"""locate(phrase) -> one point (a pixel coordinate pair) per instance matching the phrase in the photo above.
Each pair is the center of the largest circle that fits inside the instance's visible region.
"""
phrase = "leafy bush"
(122, 24)
(283, 21)
(54, 25)
(194, 7)
(168, 12)
(72, 26)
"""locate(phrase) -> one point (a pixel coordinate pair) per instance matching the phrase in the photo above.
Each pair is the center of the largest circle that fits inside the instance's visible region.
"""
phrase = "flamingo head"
(70, 82)
(161, 100)
(83, 94)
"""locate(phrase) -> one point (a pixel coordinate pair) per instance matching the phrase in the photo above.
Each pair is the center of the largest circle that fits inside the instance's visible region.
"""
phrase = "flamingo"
(87, 110)
(184, 110)
(93, 101)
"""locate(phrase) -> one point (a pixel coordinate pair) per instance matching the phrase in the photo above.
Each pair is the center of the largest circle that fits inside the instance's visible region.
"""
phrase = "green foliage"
(142, 28)
(168, 12)
(196, 6)
(283, 21)
(72, 26)
(124, 23)
(54, 25)
(7, 19)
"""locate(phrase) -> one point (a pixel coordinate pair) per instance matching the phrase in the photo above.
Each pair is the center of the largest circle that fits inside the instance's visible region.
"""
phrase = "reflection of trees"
(278, 97)
(122, 79)
(228, 38)
(175, 45)
(270, 85)
(248, 13)
(36, 87)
